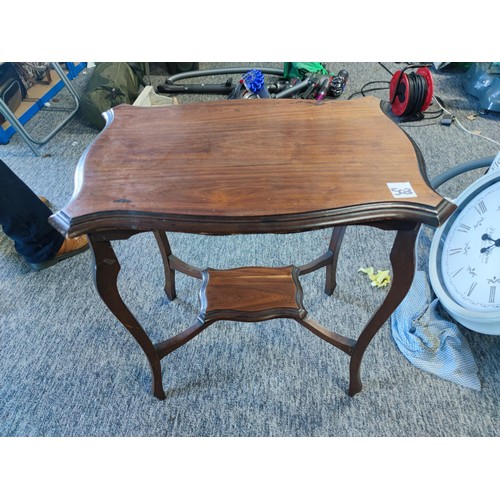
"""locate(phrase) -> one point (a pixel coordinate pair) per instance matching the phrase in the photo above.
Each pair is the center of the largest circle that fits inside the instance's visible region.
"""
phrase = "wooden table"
(250, 166)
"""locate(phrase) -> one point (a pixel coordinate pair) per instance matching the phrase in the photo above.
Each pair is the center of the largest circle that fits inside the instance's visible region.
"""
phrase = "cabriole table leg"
(106, 270)
(166, 252)
(403, 268)
(331, 268)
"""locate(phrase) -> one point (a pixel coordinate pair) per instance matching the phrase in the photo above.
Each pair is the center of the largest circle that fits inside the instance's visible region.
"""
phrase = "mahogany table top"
(254, 165)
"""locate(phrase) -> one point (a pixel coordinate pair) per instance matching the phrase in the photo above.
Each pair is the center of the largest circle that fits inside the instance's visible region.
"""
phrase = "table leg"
(331, 268)
(403, 268)
(106, 270)
(166, 252)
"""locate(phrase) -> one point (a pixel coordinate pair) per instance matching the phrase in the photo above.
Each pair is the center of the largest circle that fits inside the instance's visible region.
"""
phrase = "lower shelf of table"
(251, 294)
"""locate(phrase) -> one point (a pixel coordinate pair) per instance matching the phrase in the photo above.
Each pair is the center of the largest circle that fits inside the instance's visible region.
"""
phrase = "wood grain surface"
(225, 164)
(251, 294)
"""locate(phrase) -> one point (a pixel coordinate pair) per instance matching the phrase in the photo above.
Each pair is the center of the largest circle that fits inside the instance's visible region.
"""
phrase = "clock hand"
(495, 244)
(486, 236)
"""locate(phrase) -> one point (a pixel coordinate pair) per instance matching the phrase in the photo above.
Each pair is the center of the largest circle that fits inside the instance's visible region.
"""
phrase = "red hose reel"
(411, 94)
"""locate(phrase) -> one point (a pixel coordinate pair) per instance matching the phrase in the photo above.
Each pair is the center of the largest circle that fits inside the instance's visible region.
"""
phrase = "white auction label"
(401, 190)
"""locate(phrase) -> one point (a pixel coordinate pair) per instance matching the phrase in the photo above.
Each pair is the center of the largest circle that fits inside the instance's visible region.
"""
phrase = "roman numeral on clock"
(471, 289)
(481, 208)
(463, 228)
(454, 251)
(492, 294)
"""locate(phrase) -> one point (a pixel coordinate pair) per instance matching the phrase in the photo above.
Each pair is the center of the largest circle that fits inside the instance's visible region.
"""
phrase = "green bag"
(111, 83)
(302, 69)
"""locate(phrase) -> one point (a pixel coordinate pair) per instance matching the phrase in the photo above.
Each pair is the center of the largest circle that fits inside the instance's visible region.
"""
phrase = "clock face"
(470, 258)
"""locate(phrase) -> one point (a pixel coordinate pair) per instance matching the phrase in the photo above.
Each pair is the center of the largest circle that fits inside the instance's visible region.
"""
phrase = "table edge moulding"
(250, 167)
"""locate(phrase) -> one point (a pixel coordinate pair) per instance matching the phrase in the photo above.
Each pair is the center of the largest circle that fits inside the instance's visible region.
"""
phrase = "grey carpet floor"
(68, 368)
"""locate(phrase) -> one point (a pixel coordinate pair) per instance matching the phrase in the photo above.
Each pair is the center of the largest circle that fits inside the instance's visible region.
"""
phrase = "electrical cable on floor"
(364, 89)
(411, 125)
(455, 120)
(387, 69)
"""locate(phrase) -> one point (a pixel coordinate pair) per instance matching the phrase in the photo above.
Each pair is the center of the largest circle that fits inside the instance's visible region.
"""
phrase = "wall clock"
(464, 260)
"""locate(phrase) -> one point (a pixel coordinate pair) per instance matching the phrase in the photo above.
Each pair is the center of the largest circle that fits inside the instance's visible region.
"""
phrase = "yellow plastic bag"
(378, 279)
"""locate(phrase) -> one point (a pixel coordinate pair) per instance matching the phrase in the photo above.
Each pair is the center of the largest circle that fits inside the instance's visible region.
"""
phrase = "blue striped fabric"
(424, 337)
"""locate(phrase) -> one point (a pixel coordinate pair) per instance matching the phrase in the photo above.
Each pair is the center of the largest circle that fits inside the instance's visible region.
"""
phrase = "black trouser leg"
(24, 219)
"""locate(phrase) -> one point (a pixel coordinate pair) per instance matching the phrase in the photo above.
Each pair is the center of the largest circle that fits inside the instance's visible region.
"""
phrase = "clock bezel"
(487, 322)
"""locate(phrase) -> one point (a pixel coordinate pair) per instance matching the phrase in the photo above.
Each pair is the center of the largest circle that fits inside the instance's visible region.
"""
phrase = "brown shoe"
(69, 248)
(71, 245)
